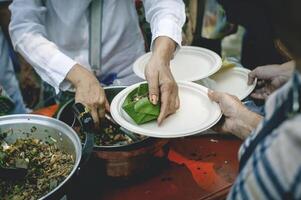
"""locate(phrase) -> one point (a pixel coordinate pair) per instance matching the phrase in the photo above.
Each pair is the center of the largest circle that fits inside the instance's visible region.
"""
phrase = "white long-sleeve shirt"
(53, 35)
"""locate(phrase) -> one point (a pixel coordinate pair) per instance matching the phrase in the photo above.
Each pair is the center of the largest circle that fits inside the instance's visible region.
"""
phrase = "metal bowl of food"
(50, 151)
(122, 153)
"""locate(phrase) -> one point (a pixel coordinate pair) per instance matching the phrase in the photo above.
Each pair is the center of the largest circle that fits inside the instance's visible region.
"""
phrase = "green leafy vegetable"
(138, 106)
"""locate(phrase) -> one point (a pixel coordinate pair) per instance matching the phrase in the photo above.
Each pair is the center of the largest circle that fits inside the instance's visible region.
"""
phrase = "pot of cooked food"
(39, 156)
(122, 154)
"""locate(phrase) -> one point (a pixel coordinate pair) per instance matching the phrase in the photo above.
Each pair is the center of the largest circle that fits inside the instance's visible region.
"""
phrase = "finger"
(262, 90)
(153, 88)
(172, 106)
(107, 105)
(252, 76)
(177, 104)
(101, 111)
(163, 113)
(257, 96)
(169, 93)
(210, 94)
(165, 101)
(101, 114)
(174, 101)
(101, 102)
(260, 83)
(95, 117)
(101, 107)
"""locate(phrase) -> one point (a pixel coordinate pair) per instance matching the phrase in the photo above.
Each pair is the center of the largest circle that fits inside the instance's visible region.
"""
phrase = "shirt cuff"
(63, 65)
(167, 27)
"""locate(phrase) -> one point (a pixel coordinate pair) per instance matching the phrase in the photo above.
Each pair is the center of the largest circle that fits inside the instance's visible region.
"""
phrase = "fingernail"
(154, 99)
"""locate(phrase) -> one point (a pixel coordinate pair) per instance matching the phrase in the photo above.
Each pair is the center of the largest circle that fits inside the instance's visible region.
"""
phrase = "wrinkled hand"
(89, 92)
(238, 120)
(270, 78)
(162, 85)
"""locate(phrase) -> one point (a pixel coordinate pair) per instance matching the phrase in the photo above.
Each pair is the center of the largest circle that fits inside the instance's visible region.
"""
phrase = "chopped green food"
(47, 167)
(138, 106)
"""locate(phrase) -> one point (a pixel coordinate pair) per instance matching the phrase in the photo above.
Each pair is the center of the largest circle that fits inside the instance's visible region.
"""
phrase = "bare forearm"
(248, 122)
(164, 48)
(79, 75)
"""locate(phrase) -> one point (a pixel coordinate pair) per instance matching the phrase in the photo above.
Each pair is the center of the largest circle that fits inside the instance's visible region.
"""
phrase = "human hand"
(89, 92)
(162, 85)
(238, 120)
(270, 78)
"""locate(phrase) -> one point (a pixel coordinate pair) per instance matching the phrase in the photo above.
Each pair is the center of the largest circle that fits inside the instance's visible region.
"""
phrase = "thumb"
(215, 96)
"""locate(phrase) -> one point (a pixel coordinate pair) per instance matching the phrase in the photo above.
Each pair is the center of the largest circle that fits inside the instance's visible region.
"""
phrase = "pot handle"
(85, 119)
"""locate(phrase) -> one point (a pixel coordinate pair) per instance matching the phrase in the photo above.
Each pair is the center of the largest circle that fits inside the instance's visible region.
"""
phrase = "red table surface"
(199, 167)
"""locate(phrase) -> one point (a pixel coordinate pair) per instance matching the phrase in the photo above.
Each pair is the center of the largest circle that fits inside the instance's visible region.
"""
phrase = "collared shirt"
(273, 170)
(53, 35)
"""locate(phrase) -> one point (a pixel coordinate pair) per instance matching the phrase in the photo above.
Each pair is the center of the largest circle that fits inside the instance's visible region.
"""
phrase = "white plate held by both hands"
(189, 64)
(197, 113)
(232, 80)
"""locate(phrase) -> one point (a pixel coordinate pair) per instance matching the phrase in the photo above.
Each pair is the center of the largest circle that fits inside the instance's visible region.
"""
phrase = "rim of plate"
(116, 107)
(214, 56)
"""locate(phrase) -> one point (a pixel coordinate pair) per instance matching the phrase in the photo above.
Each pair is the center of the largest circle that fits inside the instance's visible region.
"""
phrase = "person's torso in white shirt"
(67, 25)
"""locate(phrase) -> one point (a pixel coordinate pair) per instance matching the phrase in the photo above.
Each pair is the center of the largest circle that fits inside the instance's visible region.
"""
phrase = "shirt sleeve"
(166, 18)
(29, 38)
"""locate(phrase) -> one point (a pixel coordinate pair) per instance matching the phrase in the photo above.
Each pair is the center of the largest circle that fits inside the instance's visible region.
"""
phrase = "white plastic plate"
(197, 113)
(233, 81)
(189, 64)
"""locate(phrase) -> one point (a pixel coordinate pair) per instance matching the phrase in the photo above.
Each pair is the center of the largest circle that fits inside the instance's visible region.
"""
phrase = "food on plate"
(138, 106)
(47, 166)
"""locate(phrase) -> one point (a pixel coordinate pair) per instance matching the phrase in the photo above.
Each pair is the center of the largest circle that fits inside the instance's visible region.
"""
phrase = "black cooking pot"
(120, 160)
(66, 115)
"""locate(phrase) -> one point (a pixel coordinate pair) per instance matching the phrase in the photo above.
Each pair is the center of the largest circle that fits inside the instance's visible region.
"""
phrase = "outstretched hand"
(162, 85)
(270, 78)
(89, 92)
(238, 120)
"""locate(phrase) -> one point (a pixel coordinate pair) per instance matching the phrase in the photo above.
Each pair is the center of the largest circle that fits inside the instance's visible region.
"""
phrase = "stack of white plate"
(189, 64)
(197, 112)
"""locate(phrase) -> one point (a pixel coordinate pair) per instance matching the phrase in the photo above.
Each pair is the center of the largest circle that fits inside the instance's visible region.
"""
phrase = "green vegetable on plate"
(138, 106)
